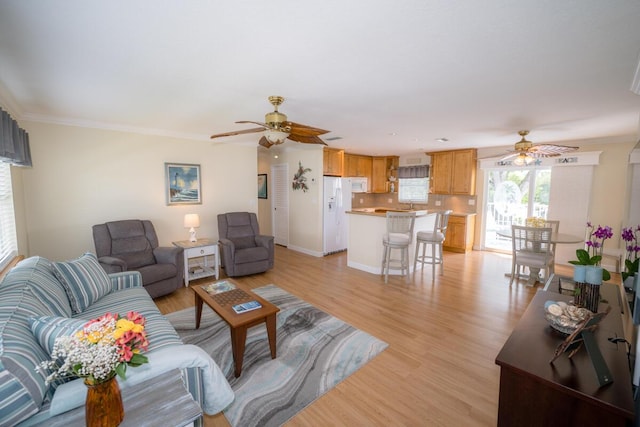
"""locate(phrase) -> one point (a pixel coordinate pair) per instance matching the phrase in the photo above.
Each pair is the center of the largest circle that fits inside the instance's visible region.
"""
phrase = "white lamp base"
(192, 235)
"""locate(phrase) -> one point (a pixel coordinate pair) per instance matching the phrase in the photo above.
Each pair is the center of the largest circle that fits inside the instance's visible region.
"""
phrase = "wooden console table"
(534, 392)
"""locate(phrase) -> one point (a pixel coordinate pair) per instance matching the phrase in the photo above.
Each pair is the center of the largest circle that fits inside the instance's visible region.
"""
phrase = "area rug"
(315, 351)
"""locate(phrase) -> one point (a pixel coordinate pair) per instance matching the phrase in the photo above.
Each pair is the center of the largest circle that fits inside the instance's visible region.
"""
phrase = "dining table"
(556, 238)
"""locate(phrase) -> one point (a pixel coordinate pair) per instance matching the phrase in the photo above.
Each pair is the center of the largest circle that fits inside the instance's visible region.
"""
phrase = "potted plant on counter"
(592, 256)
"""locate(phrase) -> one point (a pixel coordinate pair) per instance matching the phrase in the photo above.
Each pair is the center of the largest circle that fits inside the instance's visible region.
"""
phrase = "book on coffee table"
(219, 287)
(246, 306)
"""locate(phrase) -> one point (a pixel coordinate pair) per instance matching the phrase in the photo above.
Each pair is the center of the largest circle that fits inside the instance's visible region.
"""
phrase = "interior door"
(280, 204)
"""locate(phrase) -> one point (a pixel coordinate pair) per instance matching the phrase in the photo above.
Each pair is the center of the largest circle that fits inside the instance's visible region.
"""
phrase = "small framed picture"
(182, 184)
(262, 186)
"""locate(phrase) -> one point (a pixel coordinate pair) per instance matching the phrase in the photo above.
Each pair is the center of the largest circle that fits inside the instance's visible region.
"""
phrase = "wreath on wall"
(299, 180)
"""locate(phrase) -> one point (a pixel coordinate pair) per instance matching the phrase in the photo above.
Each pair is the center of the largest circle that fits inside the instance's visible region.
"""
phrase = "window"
(414, 190)
(8, 239)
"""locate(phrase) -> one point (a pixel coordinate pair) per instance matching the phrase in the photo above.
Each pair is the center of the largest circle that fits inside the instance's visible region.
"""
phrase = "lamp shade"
(191, 220)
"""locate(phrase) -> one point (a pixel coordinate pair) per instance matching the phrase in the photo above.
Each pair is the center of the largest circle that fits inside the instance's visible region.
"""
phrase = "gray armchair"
(133, 245)
(244, 250)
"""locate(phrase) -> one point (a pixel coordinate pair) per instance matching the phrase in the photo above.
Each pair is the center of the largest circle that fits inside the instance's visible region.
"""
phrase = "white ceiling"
(387, 76)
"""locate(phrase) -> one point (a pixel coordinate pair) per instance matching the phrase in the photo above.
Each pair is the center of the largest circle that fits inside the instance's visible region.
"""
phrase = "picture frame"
(262, 186)
(183, 185)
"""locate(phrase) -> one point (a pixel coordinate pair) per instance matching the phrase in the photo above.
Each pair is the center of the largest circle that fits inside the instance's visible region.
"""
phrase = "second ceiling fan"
(525, 152)
(277, 128)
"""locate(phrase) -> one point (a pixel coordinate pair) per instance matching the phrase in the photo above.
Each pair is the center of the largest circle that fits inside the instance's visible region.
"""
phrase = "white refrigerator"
(336, 201)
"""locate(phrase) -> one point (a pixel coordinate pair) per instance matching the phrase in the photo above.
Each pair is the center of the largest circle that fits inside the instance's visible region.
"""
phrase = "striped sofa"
(40, 289)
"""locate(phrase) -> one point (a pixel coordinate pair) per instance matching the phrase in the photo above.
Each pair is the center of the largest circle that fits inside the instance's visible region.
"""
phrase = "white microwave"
(358, 184)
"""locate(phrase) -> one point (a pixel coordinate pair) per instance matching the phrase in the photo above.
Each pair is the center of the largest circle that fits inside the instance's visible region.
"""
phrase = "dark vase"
(103, 407)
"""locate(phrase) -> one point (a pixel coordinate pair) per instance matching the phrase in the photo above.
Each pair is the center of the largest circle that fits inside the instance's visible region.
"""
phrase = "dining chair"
(531, 247)
(435, 238)
(555, 226)
(399, 235)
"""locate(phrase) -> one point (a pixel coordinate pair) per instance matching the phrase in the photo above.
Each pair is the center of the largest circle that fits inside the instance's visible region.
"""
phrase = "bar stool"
(434, 238)
(399, 235)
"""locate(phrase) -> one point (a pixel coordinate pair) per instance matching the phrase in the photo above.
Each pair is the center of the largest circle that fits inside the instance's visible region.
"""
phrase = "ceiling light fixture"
(523, 160)
(275, 136)
(442, 140)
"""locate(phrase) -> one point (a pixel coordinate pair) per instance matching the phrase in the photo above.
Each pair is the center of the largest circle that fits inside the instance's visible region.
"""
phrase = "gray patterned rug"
(315, 351)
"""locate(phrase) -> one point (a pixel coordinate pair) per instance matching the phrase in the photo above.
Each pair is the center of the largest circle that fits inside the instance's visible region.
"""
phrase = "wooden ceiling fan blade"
(304, 130)
(310, 139)
(550, 150)
(265, 142)
(266, 126)
(237, 132)
(509, 156)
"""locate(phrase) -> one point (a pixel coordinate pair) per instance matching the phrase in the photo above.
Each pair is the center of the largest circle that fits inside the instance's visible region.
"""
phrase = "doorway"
(513, 195)
(280, 204)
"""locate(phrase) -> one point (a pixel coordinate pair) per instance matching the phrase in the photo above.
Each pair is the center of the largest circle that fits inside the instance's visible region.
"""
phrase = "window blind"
(8, 239)
(421, 171)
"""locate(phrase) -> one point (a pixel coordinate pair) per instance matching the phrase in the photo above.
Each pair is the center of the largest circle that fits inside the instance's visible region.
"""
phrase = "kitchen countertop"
(380, 211)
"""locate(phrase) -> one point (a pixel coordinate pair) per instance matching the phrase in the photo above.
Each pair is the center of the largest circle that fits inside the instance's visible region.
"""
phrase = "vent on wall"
(414, 160)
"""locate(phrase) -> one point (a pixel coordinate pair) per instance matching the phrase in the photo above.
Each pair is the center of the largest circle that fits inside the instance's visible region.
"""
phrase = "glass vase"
(103, 407)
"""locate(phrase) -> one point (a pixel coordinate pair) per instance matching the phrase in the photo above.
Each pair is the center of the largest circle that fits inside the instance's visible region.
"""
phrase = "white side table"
(205, 256)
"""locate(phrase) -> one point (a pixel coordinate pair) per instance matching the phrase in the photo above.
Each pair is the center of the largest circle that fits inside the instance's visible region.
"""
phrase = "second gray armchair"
(244, 250)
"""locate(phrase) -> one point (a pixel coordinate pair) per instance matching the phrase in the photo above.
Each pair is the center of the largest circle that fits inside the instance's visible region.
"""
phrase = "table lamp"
(192, 221)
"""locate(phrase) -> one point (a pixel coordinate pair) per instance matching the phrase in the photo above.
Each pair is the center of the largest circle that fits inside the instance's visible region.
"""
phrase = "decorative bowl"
(564, 317)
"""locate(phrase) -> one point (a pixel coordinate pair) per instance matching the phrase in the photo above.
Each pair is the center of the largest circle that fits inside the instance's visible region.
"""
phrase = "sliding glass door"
(512, 196)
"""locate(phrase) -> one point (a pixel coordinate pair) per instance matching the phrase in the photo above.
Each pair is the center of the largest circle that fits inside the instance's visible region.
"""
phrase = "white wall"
(305, 208)
(264, 205)
(609, 194)
(82, 176)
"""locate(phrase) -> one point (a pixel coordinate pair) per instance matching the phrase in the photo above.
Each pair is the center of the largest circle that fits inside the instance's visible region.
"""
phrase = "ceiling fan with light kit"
(525, 152)
(276, 128)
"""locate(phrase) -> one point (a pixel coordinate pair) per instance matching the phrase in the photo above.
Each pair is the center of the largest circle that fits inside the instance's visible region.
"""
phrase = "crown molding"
(41, 118)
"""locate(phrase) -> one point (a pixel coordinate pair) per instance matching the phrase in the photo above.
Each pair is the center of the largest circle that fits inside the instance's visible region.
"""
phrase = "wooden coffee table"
(238, 323)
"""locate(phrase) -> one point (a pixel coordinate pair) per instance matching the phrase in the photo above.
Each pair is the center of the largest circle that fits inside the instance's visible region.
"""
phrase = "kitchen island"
(366, 229)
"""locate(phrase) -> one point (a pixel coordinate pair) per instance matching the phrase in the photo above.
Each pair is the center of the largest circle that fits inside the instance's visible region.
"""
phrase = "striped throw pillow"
(47, 328)
(84, 279)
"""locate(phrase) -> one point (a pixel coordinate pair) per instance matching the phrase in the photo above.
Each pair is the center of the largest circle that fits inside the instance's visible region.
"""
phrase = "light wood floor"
(443, 337)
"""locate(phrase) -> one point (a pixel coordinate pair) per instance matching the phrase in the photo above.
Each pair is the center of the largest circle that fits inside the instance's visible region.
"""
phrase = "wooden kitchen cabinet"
(333, 162)
(460, 232)
(357, 165)
(381, 169)
(454, 172)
